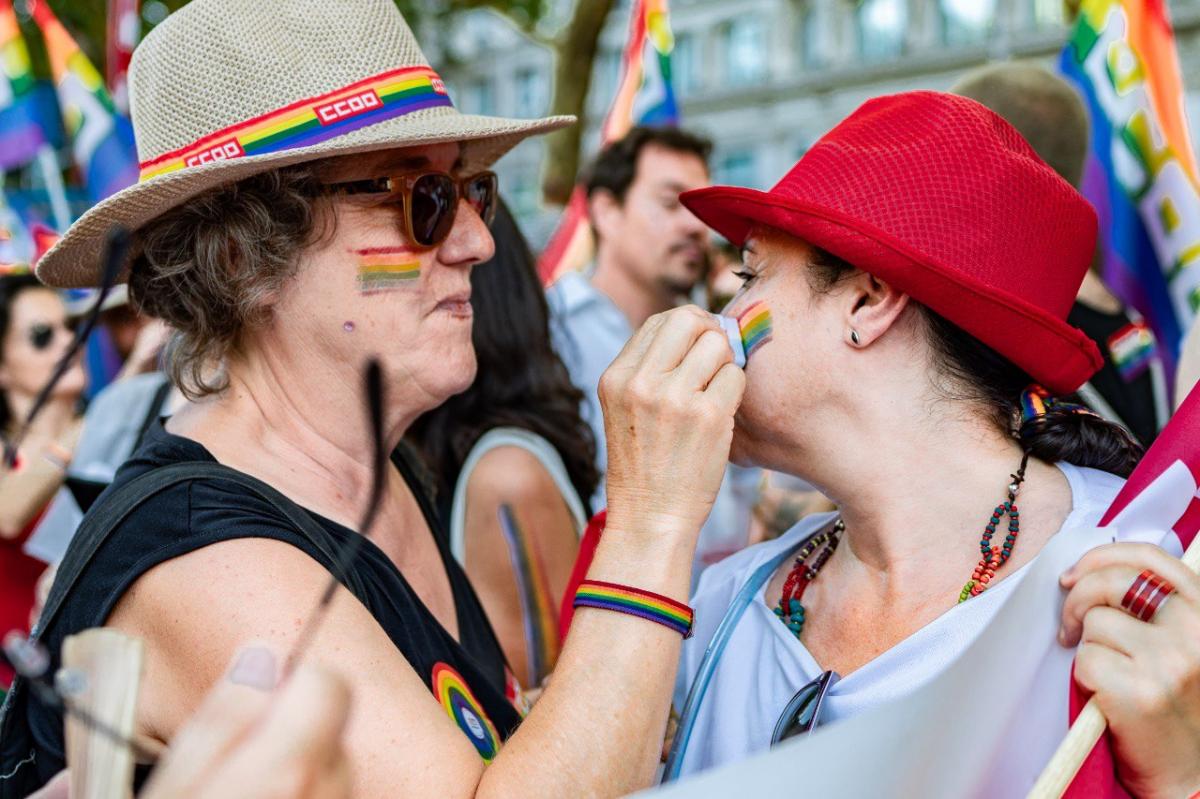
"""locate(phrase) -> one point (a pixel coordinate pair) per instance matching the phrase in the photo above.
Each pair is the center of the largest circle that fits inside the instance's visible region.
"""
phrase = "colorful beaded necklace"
(791, 611)
(995, 557)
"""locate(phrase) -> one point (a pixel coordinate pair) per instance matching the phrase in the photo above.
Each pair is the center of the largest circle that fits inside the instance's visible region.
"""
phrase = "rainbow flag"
(21, 132)
(101, 139)
(1141, 172)
(644, 97)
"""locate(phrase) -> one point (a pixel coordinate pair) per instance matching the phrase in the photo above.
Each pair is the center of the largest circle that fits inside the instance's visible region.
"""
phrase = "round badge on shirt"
(465, 710)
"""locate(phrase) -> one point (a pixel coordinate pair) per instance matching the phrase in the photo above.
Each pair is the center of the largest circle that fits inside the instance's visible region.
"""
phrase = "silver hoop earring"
(854, 338)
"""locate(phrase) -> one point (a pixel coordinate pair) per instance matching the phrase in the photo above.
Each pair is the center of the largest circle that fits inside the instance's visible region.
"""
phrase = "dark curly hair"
(521, 381)
(210, 267)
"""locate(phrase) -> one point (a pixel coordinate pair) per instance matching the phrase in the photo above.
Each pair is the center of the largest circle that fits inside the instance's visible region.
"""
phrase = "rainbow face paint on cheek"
(755, 324)
(387, 269)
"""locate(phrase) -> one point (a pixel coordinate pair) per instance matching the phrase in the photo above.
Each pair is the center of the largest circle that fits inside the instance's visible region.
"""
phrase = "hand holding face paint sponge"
(730, 326)
(746, 333)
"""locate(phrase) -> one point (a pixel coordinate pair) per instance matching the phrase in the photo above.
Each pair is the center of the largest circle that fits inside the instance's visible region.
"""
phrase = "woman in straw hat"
(909, 280)
(311, 199)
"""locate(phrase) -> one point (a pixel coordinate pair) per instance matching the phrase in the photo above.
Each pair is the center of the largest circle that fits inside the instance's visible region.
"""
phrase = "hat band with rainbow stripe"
(311, 121)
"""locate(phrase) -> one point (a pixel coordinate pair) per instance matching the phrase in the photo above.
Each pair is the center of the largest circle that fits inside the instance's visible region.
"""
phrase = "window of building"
(478, 97)
(686, 66)
(745, 45)
(605, 75)
(966, 21)
(881, 27)
(808, 37)
(531, 94)
(1048, 13)
(524, 194)
(736, 168)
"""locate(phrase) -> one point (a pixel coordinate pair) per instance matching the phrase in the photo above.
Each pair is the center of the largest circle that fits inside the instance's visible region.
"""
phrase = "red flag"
(124, 33)
(1164, 484)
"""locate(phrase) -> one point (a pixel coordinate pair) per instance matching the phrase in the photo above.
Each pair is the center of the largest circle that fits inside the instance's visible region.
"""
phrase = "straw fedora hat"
(940, 197)
(226, 89)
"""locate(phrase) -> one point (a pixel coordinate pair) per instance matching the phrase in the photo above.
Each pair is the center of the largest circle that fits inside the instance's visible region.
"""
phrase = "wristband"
(636, 602)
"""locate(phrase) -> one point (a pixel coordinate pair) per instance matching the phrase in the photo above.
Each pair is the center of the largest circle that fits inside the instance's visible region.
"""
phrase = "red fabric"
(940, 197)
(19, 574)
(583, 562)
(1178, 442)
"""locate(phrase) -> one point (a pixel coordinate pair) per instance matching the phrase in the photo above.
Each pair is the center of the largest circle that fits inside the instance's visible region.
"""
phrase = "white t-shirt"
(763, 664)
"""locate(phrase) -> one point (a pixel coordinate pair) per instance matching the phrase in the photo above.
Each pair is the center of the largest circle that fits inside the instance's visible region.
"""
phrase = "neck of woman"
(314, 444)
(915, 497)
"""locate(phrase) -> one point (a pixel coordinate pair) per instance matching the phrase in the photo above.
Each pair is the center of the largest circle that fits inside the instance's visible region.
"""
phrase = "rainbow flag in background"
(21, 133)
(644, 97)
(101, 139)
(1141, 172)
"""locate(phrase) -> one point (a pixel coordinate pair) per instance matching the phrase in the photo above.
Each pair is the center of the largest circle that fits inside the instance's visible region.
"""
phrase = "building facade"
(765, 78)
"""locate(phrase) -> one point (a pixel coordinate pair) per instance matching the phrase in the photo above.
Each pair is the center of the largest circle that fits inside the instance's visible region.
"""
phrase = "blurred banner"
(101, 138)
(21, 133)
(644, 96)
(124, 32)
(1141, 172)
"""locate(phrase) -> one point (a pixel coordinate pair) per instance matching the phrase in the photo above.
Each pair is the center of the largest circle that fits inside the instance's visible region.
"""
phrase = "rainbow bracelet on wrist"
(636, 602)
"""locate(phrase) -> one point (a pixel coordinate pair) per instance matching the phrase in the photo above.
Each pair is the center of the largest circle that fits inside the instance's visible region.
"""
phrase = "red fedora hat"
(941, 198)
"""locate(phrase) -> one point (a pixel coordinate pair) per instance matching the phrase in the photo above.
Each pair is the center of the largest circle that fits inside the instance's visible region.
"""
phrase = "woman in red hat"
(905, 290)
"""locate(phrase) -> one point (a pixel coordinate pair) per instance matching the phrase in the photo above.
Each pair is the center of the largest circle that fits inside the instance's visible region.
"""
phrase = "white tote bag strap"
(535, 445)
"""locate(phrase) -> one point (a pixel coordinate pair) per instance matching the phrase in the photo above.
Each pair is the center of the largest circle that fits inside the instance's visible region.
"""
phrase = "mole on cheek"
(348, 327)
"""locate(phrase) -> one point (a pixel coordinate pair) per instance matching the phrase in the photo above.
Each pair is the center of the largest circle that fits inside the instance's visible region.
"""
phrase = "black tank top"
(469, 680)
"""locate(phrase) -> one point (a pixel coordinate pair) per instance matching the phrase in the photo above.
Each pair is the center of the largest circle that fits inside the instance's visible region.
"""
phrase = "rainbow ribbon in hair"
(1036, 401)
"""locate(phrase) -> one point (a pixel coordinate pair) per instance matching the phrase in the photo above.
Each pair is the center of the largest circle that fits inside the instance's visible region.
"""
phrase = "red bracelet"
(636, 602)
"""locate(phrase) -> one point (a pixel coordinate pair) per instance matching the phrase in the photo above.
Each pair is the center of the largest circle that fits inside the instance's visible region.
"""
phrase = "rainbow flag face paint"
(755, 324)
(465, 710)
(387, 269)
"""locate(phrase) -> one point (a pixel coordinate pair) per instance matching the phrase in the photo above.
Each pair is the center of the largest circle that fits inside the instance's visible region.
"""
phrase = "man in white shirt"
(650, 254)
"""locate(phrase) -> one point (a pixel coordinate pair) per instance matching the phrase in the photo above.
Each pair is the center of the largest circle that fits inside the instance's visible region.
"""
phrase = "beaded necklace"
(791, 611)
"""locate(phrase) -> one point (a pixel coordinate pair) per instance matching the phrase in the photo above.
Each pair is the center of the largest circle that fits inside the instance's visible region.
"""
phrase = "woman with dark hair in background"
(514, 439)
(33, 323)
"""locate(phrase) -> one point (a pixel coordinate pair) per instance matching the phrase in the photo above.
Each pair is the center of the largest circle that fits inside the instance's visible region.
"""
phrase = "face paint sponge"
(734, 334)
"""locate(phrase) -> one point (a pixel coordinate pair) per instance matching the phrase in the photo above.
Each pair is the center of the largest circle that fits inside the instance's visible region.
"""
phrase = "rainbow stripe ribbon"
(312, 121)
(644, 604)
(755, 324)
(540, 620)
(383, 270)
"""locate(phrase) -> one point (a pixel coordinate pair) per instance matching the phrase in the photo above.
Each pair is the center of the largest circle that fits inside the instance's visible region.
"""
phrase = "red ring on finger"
(1146, 595)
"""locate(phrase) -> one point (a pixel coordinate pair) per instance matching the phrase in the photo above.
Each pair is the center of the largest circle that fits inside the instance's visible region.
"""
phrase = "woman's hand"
(1145, 675)
(669, 400)
(253, 740)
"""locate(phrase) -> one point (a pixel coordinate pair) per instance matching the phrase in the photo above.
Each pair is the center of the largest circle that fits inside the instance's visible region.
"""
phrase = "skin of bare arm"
(25, 491)
(513, 476)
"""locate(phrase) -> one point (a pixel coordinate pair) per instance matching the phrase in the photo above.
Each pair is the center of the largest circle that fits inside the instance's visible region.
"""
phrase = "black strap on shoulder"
(115, 507)
(17, 754)
(157, 406)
